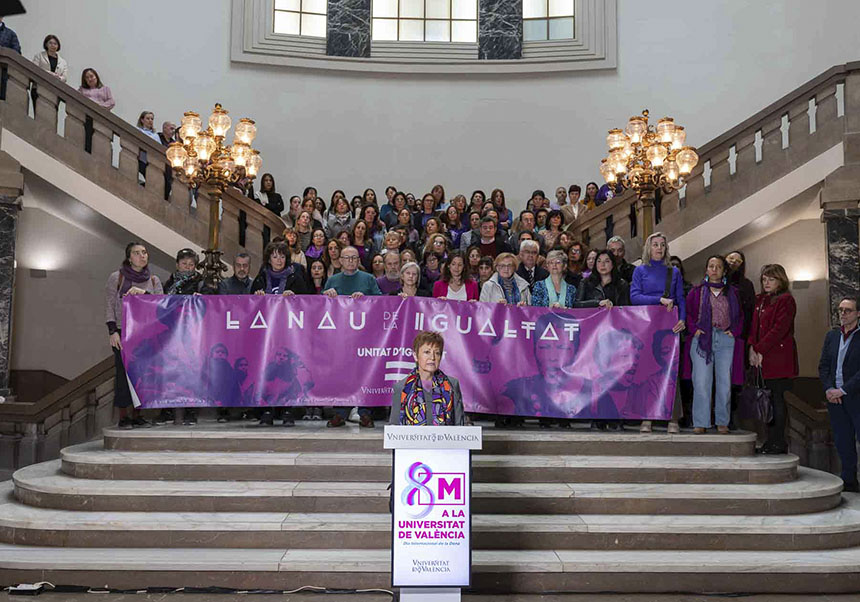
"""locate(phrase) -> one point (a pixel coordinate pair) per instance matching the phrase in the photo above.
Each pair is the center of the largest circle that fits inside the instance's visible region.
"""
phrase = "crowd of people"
(479, 251)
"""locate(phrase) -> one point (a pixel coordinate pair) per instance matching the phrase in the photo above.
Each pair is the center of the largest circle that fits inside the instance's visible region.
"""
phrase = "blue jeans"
(704, 374)
(344, 412)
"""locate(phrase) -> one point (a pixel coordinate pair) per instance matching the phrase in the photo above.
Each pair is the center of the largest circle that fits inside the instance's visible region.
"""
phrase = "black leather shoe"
(267, 419)
(771, 450)
(851, 487)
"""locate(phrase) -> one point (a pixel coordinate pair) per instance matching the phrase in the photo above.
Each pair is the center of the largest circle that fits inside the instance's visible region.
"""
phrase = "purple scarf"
(275, 281)
(314, 253)
(705, 322)
(130, 277)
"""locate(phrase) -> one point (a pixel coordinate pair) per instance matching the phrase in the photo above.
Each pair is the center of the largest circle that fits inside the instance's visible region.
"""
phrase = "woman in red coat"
(772, 348)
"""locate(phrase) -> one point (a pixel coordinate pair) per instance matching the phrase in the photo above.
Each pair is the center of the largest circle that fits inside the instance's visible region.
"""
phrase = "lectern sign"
(432, 521)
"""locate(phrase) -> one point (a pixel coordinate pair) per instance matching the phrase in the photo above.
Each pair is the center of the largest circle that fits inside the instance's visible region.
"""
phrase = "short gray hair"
(615, 239)
(409, 265)
(528, 244)
(556, 254)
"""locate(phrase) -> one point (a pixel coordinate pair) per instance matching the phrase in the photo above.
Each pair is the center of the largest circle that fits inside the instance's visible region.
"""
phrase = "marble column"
(348, 28)
(9, 207)
(500, 29)
(843, 255)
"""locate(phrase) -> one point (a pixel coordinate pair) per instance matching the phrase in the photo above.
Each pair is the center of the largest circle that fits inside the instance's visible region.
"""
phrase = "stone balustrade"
(767, 146)
(97, 144)
(74, 413)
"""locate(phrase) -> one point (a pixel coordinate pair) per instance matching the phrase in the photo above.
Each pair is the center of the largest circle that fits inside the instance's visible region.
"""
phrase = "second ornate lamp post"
(204, 160)
(646, 157)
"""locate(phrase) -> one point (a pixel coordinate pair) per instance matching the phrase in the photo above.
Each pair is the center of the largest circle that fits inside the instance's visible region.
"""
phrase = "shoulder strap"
(119, 282)
(668, 288)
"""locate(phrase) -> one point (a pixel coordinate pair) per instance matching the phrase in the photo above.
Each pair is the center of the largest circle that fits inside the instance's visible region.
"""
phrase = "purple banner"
(192, 351)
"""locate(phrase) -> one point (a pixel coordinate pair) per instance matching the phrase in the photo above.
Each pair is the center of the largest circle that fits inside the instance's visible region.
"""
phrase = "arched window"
(548, 20)
(425, 20)
(301, 17)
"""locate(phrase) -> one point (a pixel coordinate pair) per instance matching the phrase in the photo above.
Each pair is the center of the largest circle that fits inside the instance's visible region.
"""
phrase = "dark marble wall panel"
(500, 29)
(843, 256)
(8, 221)
(348, 28)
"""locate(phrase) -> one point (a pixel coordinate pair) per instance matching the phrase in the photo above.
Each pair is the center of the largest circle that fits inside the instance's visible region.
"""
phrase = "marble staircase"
(245, 507)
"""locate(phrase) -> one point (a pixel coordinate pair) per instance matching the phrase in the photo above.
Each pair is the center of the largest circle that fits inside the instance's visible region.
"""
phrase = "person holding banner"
(132, 278)
(456, 282)
(554, 291)
(656, 282)
(604, 286)
(428, 396)
(277, 276)
(505, 286)
(715, 352)
(350, 281)
(411, 284)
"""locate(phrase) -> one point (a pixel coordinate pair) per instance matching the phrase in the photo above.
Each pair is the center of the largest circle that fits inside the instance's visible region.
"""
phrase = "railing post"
(17, 94)
(46, 106)
(102, 149)
(75, 128)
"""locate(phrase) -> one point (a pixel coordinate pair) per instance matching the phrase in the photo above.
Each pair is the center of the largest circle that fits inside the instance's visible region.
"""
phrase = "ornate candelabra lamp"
(204, 160)
(645, 157)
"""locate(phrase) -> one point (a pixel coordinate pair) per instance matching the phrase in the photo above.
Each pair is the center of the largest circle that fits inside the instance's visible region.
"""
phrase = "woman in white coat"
(50, 60)
(505, 286)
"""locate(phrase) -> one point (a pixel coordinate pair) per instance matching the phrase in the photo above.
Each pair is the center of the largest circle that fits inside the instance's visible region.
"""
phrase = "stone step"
(26, 525)
(315, 437)
(503, 571)
(91, 461)
(44, 485)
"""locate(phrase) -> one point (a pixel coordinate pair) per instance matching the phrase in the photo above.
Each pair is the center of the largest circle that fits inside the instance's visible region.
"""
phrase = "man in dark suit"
(839, 371)
(529, 270)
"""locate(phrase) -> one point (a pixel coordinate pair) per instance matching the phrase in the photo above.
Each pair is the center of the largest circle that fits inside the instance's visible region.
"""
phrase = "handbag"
(755, 400)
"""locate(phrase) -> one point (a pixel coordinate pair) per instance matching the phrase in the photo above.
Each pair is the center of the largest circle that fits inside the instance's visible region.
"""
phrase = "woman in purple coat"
(715, 352)
(656, 282)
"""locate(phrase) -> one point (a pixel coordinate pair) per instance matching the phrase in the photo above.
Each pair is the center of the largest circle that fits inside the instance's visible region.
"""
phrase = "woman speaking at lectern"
(427, 397)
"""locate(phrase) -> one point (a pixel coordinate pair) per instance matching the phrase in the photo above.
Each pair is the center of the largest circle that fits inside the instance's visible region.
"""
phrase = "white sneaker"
(645, 427)
(353, 416)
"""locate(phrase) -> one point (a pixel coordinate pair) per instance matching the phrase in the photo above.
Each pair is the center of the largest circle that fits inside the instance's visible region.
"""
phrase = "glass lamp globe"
(220, 122)
(176, 154)
(204, 146)
(656, 154)
(615, 139)
(670, 171)
(618, 161)
(679, 136)
(190, 125)
(636, 129)
(687, 160)
(190, 166)
(246, 131)
(607, 171)
(665, 127)
(226, 166)
(253, 164)
(240, 153)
